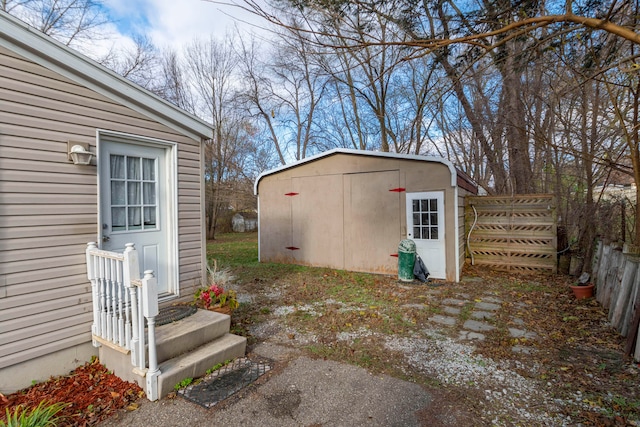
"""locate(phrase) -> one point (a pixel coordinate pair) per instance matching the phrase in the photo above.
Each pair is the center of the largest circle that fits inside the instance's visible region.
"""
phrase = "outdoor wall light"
(79, 153)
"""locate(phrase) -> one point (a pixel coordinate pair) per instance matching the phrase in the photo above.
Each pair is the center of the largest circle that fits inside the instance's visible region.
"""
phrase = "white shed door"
(133, 204)
(425, 226)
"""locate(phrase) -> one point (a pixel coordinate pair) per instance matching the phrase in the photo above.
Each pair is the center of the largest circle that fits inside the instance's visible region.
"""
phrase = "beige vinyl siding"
(49, 310)
(48, 206)
(44, 286)
(54, 289)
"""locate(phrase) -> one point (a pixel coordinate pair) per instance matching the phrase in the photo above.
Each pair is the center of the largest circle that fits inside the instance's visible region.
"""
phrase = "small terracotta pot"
(224, 310)
(583, 291)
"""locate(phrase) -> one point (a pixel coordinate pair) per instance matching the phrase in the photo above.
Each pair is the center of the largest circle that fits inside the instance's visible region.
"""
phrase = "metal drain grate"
(174, 313)
(229, 379)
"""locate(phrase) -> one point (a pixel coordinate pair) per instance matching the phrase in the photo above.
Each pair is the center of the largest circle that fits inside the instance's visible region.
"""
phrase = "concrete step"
(179, 337)
(195, 363)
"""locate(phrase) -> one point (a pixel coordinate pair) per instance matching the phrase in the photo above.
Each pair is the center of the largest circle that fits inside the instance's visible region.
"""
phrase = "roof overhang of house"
(34, 45)
(452, 169)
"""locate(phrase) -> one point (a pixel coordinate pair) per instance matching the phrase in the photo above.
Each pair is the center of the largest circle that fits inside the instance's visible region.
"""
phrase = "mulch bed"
(92, 392)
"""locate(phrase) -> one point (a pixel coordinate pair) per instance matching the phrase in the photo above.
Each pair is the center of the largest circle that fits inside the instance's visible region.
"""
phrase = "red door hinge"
(291, 194)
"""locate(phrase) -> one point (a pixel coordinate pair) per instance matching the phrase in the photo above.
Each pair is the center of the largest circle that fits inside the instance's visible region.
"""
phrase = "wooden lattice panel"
(515, 233)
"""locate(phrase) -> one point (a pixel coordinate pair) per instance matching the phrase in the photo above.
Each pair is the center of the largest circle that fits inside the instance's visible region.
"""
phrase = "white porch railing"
(121, 302)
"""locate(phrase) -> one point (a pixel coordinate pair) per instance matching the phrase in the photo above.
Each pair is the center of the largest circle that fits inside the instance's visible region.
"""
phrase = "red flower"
(217, 290)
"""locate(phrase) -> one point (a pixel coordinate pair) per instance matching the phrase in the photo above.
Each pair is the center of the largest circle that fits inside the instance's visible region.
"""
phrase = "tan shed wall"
(369, 202)
(315, 232)
(345, 215)
(48, 207)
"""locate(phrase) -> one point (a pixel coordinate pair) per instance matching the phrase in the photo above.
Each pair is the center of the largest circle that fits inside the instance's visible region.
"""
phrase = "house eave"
(32, 44)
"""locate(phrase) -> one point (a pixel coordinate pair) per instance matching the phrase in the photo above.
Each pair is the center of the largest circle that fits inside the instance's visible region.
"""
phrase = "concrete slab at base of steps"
(195, 363)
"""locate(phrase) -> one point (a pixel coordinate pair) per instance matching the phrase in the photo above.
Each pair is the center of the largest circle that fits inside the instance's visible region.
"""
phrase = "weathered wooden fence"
(516, 233)
(617, 279)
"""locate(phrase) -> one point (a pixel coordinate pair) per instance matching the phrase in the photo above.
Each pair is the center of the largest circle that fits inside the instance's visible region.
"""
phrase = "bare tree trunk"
(495, 165)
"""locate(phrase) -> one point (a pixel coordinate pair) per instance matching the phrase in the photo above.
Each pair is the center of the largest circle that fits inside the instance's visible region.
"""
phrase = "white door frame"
(440, 242)
(171, 159)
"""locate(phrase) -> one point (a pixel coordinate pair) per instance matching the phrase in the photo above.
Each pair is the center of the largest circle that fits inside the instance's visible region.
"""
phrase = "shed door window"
(133, 193)
(425, 219)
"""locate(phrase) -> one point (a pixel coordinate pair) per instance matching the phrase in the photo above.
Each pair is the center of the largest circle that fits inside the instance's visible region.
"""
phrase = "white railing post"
(131, 271)
(103, 297)
(150, 310)
(121, 305)
(142, 354)
(121, 302)
(95, 295)
(108, 284)
(114, 300)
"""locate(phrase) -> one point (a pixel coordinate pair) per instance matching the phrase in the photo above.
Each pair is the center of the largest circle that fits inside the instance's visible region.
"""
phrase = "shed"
(145, 186)
(349, 209)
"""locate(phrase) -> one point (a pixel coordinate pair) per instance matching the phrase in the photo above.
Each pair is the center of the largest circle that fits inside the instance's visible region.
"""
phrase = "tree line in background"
(525, 96)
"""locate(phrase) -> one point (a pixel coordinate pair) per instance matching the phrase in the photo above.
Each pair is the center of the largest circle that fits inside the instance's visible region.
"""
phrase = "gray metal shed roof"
(431, 159)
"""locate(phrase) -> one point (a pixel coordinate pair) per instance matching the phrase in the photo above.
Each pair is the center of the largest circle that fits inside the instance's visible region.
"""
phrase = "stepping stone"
(481, 315)
(245, 298)
(453, 301)
(522, 349)
(476, 326)
(492, 299)
(468, 335)
(443, 320)
(519, 333)
(487, 306)
(418, 306)
(451, 310)
(518, 321)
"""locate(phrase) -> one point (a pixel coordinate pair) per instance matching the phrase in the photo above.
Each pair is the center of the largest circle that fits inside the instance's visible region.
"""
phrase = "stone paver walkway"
(480, 320)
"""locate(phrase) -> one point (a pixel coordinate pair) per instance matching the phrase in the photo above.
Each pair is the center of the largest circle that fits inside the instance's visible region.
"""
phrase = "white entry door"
(134, 196)
(425, 226)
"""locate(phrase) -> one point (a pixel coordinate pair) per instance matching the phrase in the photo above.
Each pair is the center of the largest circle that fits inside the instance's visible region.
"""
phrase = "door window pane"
(135, 223)
(149, 196)
(117, 167)
(425, 218)
(118, 220)
(133, 194)
(149, 169)
(133, 168)
(117, 193)
(434, 218)
(134, 204)
(149, 218)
